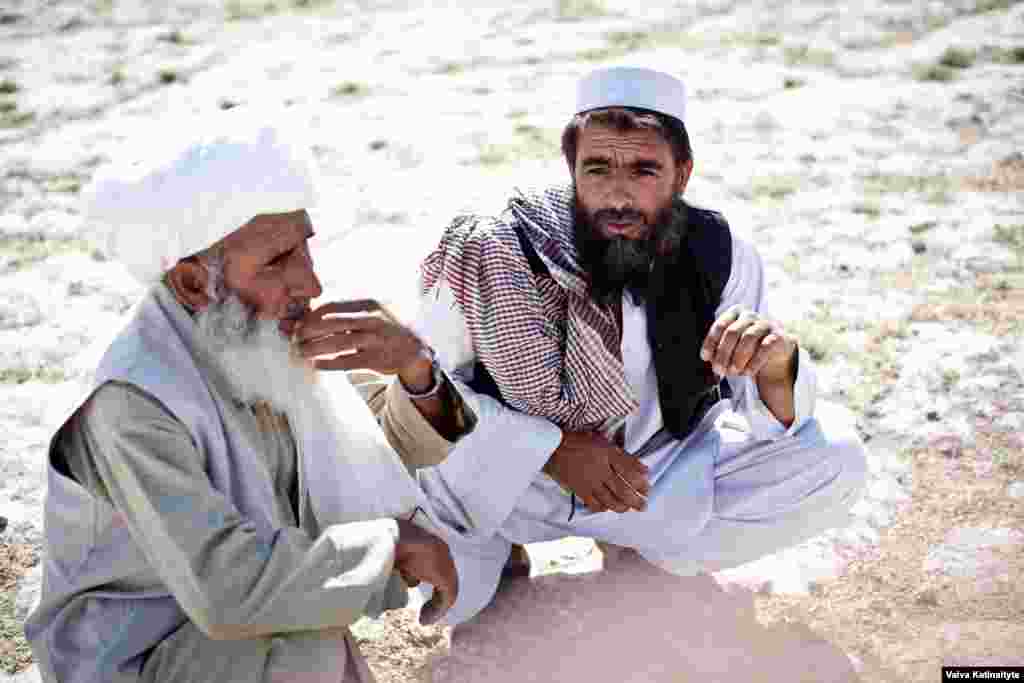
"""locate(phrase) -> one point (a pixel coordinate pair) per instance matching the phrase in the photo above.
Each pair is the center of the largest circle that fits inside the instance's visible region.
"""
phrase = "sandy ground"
(873, 153)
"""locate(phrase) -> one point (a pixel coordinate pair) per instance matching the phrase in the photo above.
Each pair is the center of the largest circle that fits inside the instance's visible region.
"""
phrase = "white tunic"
(441, 324)
(736, 471)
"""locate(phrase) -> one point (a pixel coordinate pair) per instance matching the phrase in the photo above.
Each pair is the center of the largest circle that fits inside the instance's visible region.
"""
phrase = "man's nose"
(305, 283)
(619, 196)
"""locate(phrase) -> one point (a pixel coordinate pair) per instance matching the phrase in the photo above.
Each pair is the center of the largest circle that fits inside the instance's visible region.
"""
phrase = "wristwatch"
(437, 377)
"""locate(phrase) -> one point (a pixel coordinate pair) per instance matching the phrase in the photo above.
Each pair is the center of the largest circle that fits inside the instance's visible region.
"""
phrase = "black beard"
(614, 265)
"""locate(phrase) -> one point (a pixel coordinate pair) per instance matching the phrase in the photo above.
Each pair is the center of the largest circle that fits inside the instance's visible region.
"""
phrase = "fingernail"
(705, 355)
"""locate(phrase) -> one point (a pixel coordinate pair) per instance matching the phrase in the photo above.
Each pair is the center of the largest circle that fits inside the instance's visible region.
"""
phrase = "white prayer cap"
(637, 87)
(166, 199)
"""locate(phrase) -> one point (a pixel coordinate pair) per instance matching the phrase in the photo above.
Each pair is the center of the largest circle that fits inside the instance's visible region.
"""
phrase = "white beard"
(353, 474)
(256, 359)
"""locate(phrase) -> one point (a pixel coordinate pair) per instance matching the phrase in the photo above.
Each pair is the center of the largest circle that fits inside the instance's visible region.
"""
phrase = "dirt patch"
(397, 648)
(999, 318)
(15, 560)
(1007, 175)
(903, 622)
(991, 302)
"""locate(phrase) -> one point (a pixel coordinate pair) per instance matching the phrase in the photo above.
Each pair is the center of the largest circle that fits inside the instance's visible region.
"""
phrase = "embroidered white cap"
(626, 86)
(172, 195)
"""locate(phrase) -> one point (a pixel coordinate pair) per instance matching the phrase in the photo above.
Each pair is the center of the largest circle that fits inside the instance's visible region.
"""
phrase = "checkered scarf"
(551, 349)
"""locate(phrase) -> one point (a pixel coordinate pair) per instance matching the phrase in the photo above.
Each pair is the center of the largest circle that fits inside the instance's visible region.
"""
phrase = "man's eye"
(595, 170)
(279, 260)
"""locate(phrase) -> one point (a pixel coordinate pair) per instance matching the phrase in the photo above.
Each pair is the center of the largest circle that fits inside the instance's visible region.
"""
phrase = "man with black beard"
(617, 264)
(628, 384)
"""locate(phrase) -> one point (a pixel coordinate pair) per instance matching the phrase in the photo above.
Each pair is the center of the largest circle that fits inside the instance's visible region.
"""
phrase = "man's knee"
(836, 438)
(852, 464)
(818, 471)
(479, 569)
(838, 451)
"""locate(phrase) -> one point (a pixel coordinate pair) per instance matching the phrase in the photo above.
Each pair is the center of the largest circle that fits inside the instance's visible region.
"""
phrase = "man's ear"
(189, 280)
(685, 170)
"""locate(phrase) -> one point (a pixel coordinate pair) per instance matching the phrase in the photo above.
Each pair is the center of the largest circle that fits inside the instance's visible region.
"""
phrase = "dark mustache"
(295, 310)
(618, 216)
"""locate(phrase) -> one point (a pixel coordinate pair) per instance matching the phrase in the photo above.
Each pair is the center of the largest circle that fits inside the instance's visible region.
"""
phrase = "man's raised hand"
(741, 342)
(421, 556)
(358, 334)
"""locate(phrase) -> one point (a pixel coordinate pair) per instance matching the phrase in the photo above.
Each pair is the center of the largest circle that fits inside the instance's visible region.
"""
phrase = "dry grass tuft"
(15, 560)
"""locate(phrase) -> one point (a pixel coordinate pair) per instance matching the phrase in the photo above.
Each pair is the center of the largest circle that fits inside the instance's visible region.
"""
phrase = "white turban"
(626, 86)
(167, 198)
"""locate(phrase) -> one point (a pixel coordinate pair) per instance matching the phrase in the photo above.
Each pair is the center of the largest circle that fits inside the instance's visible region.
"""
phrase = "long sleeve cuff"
(410, 434)
(394, 595)
(487, 471)
(763, 423)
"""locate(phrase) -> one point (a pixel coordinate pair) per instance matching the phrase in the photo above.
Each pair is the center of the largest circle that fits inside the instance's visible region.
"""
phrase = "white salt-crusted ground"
(873, 192)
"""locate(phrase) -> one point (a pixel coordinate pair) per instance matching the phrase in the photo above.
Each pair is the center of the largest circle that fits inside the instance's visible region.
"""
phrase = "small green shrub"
(1009, 55)
(175, 37)
(958, 58)
(776, 188)
(450, 69)
(577, 10)
(1010, 235)
(796, 55)
(938, 73)
(21, 375)
(16, 119)
(870, 209)
(350, 89)
(983, 6)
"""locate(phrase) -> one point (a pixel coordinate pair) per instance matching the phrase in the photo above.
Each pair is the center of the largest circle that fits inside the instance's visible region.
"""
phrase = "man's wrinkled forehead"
(604, 143)
(271, 234)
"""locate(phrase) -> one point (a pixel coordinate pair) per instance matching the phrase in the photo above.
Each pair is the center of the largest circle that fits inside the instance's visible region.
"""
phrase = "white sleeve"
(746, 287)
(488, 468)
(440, 324)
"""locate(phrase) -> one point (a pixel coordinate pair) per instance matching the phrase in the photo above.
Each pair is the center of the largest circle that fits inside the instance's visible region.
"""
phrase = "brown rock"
(632, 624)
(928, 597)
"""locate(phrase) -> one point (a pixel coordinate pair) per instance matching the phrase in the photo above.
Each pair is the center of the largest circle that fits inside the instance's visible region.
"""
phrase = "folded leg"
(770, 495)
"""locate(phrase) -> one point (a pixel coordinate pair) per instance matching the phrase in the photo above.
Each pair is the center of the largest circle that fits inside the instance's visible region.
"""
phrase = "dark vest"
(685, 291)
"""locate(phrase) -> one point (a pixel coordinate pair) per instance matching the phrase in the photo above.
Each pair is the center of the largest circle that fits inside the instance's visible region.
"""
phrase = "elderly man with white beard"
(213, 513)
